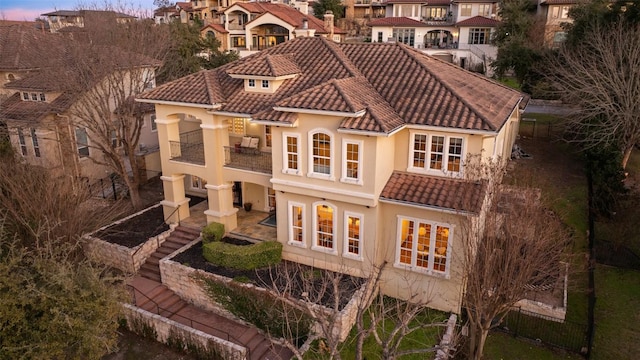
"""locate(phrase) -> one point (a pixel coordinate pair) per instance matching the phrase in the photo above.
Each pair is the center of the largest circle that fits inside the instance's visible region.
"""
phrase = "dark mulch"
(286, 275)
(136, 230)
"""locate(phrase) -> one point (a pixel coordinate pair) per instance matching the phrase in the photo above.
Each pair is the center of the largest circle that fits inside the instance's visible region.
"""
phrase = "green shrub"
(243, 257)
(212, 232)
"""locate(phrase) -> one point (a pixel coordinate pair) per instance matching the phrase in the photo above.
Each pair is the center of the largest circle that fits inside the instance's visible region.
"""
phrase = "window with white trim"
(423, 245)
(291, 153)
(324, 230)
(34, 96)
(154, 126)
(198, 183)
(353, 227)
(34, 141)
(479, 36)
(82, 142)
(484, 10)
(265, 84)
(22, 142)
(320, 153)
(351, 160)
(436, 153)
(271, 199)
(465, 10)
(296, 224)
(236, 126)
(25, 96)
(252, 83)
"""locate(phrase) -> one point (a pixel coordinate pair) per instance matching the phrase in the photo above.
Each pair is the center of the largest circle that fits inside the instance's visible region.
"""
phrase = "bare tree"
(516, 243)
(106, 65)
(601, 78)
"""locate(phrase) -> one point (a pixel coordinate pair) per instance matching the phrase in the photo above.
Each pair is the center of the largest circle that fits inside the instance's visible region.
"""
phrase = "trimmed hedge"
(212, 232)
(243, 257)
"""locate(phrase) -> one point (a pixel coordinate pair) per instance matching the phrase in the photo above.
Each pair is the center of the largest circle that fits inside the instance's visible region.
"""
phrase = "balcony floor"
(248, 222)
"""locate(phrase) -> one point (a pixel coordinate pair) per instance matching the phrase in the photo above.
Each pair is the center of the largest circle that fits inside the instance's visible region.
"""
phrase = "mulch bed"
(136, 230)
(303, 278)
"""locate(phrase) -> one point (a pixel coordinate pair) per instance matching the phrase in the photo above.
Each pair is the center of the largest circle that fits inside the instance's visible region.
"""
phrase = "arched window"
(211, 35)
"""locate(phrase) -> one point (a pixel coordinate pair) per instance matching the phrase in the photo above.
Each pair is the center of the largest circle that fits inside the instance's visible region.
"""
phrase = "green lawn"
(505, 347)
(617, 314)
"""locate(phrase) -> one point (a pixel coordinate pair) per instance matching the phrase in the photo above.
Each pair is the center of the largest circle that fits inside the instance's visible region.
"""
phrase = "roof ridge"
(270, 64)
(445, 84)
(343, 92)
(341, 57)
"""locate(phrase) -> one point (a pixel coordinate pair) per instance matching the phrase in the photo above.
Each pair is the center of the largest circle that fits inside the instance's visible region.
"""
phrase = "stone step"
(151, 275)
(165, 296)
(172, 244)
(150, 267)
(247, 335)
(153, 260)
(194, 232)
(260, 350)
(165, 250)
(252, 345)
(149, 299)
(171, 310)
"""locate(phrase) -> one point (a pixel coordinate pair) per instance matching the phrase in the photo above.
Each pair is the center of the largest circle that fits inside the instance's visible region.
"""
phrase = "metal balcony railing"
(248, 159)
(189, 149)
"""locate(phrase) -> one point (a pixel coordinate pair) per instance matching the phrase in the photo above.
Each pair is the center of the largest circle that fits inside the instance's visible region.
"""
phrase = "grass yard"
(506, 347)
(617, 314)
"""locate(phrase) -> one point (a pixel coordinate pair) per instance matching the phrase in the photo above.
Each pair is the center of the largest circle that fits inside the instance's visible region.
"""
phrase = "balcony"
(248, 159)
(438, 21)
(190, 148)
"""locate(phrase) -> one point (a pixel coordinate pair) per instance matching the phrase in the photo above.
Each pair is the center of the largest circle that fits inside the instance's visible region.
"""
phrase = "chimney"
(305, 23)
(328, 23)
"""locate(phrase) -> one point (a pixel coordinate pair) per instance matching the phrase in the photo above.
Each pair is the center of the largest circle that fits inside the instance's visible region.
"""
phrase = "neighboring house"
(361, 149)
(556, 13)
(255, 26)
(61, 19)
(165, 15)
(38, 107)
(216, 31)
(457, 31)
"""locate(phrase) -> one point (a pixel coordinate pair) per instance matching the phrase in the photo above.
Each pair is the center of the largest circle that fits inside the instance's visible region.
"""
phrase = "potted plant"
(247, 206)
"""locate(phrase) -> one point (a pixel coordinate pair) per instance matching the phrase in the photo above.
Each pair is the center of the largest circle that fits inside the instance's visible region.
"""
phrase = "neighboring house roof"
(393, 83)
(397, 21)
(87, 12)
(270, 65)
(472, 1)
(31, 112)
(167, 10)
(438, 2)
(217, 27)
(184, 6)
(478, 21)
(287, 14)
(438, 192)
(408, 2)
(21, 46)
(558, 2)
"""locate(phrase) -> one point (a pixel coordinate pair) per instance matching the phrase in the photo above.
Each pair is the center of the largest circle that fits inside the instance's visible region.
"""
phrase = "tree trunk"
(477, 338)
(136, 200)
(626, 155)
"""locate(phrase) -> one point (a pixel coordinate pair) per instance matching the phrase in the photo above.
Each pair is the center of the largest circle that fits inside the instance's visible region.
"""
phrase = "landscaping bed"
(136, 229)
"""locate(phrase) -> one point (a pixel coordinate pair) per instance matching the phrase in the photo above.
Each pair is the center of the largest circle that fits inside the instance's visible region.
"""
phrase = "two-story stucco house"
(359, 148)
(457, 31)
(556, 13)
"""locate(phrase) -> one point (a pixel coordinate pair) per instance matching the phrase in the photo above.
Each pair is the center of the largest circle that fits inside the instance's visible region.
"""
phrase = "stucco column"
(175, 205)
(215, 137)
(221, 208)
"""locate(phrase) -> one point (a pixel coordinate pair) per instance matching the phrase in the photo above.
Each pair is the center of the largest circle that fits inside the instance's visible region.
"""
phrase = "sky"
(31, 9)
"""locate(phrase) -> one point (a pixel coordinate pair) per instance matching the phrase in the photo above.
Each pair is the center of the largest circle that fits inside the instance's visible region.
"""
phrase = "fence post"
(515, 331)
(113, 186)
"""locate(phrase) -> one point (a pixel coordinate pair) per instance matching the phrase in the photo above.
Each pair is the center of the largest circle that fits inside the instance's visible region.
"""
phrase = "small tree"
(516, 243)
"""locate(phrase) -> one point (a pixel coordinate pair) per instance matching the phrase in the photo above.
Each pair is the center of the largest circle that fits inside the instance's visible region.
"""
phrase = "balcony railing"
(189, 149)
(438, 21)
(248, 159)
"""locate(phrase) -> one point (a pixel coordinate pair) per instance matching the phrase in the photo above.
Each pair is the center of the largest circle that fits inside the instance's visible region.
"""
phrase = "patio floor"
(248, 223)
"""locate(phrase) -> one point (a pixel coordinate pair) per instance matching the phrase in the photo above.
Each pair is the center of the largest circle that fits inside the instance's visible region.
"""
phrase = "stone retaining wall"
(180, 279)
(122, 257)
(171, 331)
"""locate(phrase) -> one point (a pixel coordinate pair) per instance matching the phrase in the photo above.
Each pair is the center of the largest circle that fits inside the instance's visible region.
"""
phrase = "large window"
(267, 136)
(479, 36)
(436, 153)
(154, 126)
(465, 10)
(353, 227)
(291, 154)
(34, 141)
(82, 141)
(560, 12)
(324, 229)
(321, 154)
(405, 36)
(423, 245)
(23, 144)
(484, 9)
(436, 13)
(296, 224)
(352, 155)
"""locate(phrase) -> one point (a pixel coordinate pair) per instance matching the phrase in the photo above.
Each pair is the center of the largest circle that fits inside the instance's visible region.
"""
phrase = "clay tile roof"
(558, 2)
(31, 112)
(438, 2)
(408, 2)
(184, 5)
(392, 84)
(478, 21)
(287, 14)
(217, 27)
(434, 192)
(269, 65)
(396, 21)
(276, 116)
(22, 46)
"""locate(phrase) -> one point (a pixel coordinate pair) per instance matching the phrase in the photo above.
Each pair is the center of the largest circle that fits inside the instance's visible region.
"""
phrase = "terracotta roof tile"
(408, 2)
(397, 21)
(270, 65)
(31, 112)
(478, 21)
(438, 2)
(393, 83)
(276, 116)
(434, 192)
(217, 27)
(22, 46)
(559, 2)
(287, 14)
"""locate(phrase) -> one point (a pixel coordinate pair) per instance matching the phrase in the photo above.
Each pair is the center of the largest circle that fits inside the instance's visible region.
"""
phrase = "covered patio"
(250, 223)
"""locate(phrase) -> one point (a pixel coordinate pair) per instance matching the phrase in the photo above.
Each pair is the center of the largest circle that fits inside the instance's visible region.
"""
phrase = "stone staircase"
(178, 238)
